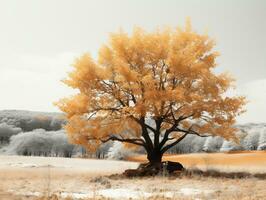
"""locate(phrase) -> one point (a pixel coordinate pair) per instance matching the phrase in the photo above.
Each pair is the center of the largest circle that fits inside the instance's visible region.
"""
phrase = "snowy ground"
(89, 166)
(35, 177)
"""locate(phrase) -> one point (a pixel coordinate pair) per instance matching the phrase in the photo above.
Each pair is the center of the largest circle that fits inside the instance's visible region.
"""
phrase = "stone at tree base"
(147, 169)
(173, 166)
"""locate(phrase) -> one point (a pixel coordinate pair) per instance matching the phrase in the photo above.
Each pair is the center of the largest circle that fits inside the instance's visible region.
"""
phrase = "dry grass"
(51, 181)
(246, 161)
(223, 188)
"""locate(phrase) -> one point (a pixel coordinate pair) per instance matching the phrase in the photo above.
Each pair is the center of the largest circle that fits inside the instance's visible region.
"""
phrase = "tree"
(190, 144)
(262, 139)
(41, 143)
(213, 144)
(166, 77)
(6, 131)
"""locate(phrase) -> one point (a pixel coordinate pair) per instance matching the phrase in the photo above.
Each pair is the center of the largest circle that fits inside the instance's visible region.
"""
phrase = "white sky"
(39, 40)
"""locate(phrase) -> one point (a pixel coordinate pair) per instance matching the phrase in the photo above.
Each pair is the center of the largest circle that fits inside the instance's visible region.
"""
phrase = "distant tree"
(57, 123)
(251, 140)
(230, 146)
(40, 143)
(262, 140)
(213, 144)
(30, 120)
(166, 77)
(30, 143)
(190, 144)
(6, 131)
(119, 151)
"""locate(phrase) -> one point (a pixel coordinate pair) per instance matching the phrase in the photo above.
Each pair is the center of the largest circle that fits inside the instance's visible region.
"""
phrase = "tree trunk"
(154, 157)
(154, 166)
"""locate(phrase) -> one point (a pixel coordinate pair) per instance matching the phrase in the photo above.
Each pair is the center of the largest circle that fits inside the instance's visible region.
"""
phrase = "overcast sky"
(39, 40)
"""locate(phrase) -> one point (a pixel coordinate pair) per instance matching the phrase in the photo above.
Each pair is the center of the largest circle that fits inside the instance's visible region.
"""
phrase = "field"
(65, 178)
(246, 161)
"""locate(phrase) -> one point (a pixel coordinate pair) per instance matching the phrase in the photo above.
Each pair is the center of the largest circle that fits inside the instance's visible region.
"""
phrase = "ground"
(244, 161)
(39, 177)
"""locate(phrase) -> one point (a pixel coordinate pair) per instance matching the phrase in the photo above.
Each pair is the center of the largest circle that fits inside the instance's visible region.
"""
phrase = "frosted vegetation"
(40, 143)
(6, 131)
(118, 151)
(213, 144)
(29, 120)
(262, 140)
(41, 134)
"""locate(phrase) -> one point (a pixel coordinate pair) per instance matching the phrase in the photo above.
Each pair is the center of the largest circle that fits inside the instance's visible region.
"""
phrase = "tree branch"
(170, 130)
(136, 141)
(143, 123)
(174, 143)
(190, 131)
(145, 133)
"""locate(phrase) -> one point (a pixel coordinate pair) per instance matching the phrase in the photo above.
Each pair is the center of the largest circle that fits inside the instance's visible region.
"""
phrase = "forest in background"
(41, 134)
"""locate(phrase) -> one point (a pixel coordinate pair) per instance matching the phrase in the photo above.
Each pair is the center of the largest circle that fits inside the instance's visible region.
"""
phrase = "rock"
(173, 166)
(147, 169)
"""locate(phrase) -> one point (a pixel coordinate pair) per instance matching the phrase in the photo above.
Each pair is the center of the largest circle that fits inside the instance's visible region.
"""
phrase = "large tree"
(150, 90)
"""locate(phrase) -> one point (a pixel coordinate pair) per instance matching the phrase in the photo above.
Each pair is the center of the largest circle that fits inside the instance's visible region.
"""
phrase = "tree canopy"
(150, 89)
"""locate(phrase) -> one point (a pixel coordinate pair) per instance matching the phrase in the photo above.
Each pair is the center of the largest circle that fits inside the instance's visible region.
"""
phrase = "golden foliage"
(164, 74)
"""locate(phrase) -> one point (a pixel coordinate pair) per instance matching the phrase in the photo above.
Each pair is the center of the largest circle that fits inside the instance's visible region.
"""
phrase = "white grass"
(121, 193)
(194, 191)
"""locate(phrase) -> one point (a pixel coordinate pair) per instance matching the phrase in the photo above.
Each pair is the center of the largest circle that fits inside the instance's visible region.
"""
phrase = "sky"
(40, 39)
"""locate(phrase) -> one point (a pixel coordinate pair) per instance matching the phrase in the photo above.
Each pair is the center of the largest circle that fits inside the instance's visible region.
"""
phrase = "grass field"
(65, 178)
(246, 161)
